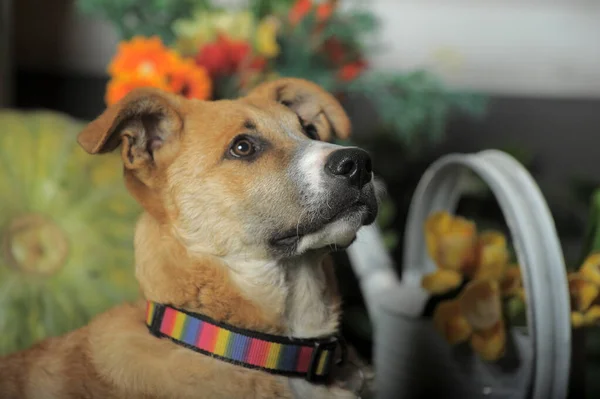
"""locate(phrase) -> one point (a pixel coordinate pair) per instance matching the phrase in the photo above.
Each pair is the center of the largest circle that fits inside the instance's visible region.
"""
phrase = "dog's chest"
(309, 303)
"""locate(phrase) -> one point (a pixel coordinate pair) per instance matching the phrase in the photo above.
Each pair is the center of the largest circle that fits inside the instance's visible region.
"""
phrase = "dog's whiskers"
(298, 224)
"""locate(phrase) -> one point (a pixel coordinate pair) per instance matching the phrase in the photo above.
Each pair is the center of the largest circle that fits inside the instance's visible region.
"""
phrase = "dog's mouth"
(358, 210)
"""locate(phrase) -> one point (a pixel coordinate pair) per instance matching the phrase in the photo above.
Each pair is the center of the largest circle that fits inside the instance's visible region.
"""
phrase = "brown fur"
(190, 245)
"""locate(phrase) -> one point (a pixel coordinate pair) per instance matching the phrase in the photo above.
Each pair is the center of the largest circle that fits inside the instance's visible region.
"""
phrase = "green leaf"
(592, 236)
(391, 239)
(386, 214)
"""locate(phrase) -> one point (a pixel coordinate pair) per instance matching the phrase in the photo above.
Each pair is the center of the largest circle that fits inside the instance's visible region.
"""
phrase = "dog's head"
(248, 177)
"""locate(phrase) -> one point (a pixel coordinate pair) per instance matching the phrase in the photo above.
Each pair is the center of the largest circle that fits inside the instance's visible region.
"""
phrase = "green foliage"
(413, 104)
(146, 18)
(385, 218)
(351, 25)
(262, 8)
(592, 237)
(409, 104)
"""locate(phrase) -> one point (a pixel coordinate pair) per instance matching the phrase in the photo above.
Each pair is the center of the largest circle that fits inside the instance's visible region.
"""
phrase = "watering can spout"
(389, 301)
(378, 279)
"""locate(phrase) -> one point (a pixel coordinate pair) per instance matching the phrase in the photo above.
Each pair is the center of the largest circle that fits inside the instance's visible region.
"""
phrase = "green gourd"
(66, 229)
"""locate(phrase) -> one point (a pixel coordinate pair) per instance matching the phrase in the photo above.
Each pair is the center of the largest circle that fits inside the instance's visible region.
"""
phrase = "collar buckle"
(322, 360)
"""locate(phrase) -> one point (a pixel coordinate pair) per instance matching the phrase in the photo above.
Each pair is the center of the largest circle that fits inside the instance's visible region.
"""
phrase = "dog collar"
(309, 358)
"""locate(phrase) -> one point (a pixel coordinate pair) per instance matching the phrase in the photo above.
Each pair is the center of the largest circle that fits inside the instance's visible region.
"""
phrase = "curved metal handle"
(536, 243)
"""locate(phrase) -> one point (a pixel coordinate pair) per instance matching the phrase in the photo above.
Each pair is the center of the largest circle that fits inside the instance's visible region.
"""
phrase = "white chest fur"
(295, 289)
(310, 307)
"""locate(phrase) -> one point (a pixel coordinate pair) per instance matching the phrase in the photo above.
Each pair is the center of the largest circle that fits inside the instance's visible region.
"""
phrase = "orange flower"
(142, 57)
(352, 70)
(324, 11)
(190, 80)
(302, 7)
(119, 87)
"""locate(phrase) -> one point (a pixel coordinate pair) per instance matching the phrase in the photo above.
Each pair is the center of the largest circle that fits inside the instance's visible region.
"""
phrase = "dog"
(243, 201)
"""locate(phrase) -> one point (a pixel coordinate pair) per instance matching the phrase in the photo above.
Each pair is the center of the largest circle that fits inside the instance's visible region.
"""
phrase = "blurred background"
(419, 79)
(538, 63)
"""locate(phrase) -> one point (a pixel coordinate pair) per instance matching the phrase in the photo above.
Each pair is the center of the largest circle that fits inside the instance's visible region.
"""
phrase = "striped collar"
(309, 358)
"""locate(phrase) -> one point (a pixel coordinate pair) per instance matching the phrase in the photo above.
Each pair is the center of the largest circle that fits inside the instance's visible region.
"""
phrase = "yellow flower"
(482, 308)
(450, 322)
(590, 270)
(204, 26)
(583, 292)
(237, 25)
(592, 316)
(577, 320)
(441, 281)
(476, 315)
(511, 283)
(266, 37)
(493, 256)
(584, 288)
(490, 345)
(451, 241)
(481, 305)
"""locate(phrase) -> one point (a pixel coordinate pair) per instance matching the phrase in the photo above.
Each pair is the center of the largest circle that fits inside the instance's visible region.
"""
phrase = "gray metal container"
(411, 359)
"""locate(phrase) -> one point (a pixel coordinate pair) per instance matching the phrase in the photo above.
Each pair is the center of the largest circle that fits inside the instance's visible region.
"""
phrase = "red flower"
(238, 52)
(335, 51)
(215, 57)
(223, 56)
(351, 71)
(258, 63)
(302, 7)
(299, 11)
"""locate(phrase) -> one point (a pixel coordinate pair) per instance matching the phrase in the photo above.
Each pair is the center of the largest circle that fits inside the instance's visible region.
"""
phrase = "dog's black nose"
(352, 164)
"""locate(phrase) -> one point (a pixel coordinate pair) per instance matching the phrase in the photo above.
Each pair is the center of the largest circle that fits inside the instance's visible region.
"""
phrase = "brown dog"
(242, 205)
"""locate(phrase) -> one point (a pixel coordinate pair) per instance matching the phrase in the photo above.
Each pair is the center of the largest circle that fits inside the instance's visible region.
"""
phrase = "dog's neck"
(301, 289)
(295, 297)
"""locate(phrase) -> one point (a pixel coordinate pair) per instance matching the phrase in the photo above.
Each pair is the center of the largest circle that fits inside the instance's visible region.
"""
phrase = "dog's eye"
(311, 132)
(242, 147)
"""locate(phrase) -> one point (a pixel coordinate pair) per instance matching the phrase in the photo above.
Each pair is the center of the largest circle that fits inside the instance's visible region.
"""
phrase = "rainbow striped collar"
(309, 358)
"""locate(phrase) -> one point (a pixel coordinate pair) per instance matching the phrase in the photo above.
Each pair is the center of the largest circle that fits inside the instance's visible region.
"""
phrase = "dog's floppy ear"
(315, 107)
(144, 121)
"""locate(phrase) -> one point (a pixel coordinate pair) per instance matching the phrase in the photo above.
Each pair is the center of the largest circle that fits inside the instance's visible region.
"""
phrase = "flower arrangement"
(146, 62)
(478, 265)
(199, 50)
(584, 287)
